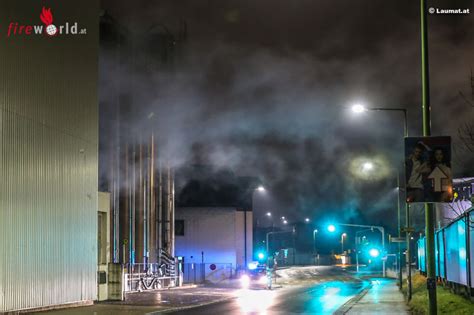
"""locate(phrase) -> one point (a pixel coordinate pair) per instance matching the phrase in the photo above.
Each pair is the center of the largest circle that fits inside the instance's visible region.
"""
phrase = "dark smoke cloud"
(263, 88)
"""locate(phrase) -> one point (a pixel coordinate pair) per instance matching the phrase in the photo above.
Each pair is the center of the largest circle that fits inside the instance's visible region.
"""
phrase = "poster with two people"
(428, 173)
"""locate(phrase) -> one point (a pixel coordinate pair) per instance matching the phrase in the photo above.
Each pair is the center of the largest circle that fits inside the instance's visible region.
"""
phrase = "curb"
(349, 304)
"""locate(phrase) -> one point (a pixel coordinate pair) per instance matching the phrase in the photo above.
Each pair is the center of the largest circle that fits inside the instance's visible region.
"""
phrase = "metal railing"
(140, 277)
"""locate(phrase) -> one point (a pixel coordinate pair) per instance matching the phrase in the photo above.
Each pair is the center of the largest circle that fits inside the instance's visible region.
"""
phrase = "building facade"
(214, 236)
(48, 155)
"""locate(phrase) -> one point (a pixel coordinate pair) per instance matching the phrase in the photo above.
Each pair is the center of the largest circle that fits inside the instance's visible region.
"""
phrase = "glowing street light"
(367, 166)
(306, 220)
(374, 252)
(261, 188)
(331, 228)
(285, 222)
(358, 108)
(269, 214)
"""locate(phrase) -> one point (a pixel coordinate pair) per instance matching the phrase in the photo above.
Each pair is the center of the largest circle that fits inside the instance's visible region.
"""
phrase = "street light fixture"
(261, 188)
(269, 214)
(367, 166)
(331, 228)
(306, 220)
(285, 222)
(358, 108)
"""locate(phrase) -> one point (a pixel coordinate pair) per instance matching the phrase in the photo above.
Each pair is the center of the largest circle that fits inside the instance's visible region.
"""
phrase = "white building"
(463, 195)
(214, 236)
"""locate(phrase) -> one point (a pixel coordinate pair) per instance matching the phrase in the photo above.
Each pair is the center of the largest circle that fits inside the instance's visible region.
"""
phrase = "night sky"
(264, 88)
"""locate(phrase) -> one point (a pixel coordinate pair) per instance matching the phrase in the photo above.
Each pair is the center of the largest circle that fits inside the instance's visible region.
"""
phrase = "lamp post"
(314, 240)
(332, 228)
(260, 189)
(343, 235)
(359, 108)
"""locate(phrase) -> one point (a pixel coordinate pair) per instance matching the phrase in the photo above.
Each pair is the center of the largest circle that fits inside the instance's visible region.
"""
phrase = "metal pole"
(383, 249)
(268, 253)
(408, 252)
(400, 281)
(357, 259)
(429, 211)
(314, 241)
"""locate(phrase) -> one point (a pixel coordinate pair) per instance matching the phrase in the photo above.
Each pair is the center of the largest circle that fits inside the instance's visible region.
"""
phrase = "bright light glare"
(255, 301)
(331, 228)
(252, 265)
(374, 252)
(285, 222)
(245, 281)
(306, 220)
(269, 214)
(261, 256)
(358, 108)
(262, 280)
(261, 188)
(368, 166)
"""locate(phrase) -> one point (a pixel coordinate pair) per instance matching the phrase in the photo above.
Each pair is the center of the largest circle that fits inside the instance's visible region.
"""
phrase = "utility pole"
(408, 252)
(429, 210)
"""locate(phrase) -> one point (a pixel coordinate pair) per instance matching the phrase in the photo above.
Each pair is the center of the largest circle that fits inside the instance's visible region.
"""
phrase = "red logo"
(50, 29)
(47, 17)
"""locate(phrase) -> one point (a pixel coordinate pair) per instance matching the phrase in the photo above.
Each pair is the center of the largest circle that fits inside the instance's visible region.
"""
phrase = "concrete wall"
(48, 157)
(218, 232)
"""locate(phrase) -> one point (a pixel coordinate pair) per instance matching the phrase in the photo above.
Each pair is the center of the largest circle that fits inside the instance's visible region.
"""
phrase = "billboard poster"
(428, 174)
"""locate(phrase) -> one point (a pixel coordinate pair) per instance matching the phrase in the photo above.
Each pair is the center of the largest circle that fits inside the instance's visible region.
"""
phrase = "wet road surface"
(322, 298)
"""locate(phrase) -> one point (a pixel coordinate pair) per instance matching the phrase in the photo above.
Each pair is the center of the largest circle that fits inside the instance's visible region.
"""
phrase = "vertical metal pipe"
(160, 210)
(124, 214)
(153, 220)
(132, 188)
(172, 210)
(139, 208)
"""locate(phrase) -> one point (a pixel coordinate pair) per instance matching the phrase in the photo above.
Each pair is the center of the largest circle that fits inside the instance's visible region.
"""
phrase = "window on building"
(179, 227)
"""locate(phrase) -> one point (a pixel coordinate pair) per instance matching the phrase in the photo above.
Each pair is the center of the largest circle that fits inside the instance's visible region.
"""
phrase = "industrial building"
(48, 155)
(215, 240)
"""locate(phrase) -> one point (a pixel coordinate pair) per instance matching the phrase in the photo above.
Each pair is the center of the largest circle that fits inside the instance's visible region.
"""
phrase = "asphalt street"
(325, 297)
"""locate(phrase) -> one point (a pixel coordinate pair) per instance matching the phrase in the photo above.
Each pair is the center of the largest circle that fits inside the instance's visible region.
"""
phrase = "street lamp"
(331, 228)
(259, 189)
(358, 108)
(285, 222)
(314, 240)
(367, 166)
(306, 220)
(269, 214)
(343, 235)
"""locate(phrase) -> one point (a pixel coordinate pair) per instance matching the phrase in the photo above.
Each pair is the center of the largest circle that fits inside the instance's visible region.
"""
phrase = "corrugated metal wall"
(48, 158)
